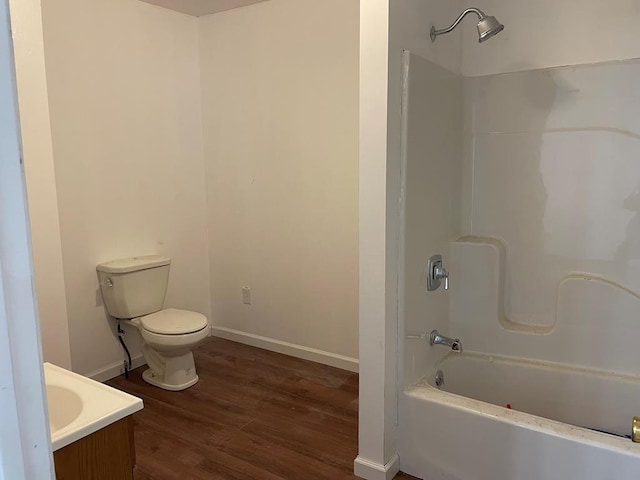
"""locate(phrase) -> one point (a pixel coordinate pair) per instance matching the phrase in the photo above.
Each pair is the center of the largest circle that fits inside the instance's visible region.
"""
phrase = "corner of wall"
(40, 180)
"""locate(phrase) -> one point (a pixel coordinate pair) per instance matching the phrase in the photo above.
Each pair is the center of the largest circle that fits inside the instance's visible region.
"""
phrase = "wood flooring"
(254, 415)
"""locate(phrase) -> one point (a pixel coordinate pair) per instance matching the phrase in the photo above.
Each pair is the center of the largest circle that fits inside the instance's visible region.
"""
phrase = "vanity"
(91, 427)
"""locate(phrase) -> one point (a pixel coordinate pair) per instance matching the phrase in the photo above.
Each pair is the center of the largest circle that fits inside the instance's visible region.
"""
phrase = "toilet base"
(171, 372)
(151, 379)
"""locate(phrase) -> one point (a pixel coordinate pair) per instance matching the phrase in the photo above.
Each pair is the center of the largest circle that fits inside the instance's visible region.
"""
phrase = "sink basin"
(79, 406)
(64, 407)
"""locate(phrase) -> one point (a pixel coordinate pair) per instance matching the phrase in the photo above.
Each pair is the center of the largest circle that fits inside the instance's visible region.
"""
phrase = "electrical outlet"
(246, 295)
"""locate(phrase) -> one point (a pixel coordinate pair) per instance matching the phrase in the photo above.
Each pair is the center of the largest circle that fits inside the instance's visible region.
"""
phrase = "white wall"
(410, 23)
(124, 87)
(280, 116)
(40, 178)
(376, 449)
(549, 33)
(386, 30)
(25, 451)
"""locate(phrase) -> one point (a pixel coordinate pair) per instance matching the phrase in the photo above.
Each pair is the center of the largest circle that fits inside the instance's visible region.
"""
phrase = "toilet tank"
(133, 287)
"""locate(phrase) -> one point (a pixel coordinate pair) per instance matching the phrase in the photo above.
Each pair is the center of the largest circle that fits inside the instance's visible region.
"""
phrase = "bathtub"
(555, 428)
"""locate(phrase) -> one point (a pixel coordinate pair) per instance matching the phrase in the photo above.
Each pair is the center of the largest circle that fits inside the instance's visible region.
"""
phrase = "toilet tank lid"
(133, 264)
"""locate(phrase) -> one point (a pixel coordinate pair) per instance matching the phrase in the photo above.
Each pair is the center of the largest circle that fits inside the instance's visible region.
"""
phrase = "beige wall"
(37, 155)
(123, 81)
(280, 170)
(280, 110)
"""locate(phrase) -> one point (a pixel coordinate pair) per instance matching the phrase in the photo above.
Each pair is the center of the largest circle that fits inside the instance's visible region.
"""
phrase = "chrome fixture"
(439, 378)
(436, 273)
(488, 26)
(436, 339)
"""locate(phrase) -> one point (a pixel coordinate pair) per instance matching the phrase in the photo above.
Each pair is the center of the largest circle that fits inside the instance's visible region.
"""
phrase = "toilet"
(133, 290)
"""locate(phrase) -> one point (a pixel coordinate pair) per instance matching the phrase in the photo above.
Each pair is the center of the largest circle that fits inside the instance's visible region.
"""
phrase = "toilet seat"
(173, 322)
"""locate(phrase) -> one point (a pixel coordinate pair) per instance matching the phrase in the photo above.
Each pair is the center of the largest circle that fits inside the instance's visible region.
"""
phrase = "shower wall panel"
(551, 170)
(432, 162)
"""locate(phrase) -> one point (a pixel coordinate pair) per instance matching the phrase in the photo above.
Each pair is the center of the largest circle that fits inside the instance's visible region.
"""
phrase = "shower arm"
(434, 33)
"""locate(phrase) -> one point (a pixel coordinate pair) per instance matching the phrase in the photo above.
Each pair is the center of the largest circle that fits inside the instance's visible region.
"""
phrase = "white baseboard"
(115, 369)
(299, 351)
(369, 470)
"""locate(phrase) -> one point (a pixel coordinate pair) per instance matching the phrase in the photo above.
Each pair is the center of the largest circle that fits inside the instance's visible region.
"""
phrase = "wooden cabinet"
(108, 454)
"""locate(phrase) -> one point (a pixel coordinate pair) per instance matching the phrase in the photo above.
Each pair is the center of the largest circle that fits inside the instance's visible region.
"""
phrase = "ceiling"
(202, 7)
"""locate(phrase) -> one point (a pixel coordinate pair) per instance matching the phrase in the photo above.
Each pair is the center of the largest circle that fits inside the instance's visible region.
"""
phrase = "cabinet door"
(107, 454)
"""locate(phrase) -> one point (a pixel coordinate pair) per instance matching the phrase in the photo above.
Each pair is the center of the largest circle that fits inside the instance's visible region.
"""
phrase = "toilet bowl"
(133, 290)
(168, 336)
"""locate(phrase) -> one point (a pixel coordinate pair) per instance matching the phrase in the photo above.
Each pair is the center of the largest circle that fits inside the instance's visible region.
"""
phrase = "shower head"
(488, 26)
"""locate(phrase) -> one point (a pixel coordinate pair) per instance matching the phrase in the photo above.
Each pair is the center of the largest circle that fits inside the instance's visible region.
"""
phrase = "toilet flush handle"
(107, 282)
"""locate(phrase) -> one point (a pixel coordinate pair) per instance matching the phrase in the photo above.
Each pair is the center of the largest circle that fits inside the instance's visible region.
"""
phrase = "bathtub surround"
(559, 40)
(544, 283)
(552, 162)
(543, 272)
(553, 112)
(432, 215)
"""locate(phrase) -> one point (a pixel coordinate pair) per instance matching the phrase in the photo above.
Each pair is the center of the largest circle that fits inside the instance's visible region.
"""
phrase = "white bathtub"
(465, 432)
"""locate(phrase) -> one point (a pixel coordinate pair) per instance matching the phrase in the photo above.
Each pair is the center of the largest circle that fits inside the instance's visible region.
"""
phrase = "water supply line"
(127, 363)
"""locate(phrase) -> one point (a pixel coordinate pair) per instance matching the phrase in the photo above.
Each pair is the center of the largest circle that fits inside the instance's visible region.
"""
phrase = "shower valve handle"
(436, 273)
(441, 273)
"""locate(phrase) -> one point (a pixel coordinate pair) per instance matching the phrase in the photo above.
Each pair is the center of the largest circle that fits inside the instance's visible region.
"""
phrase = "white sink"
(79, 406)
(64, 407)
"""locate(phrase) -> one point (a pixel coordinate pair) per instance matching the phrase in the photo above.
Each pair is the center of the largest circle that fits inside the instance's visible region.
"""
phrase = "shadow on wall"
(509, 116)
(554, 157)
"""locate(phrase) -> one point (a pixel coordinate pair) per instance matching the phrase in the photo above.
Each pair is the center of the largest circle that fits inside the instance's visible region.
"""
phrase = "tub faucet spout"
(436, 339)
